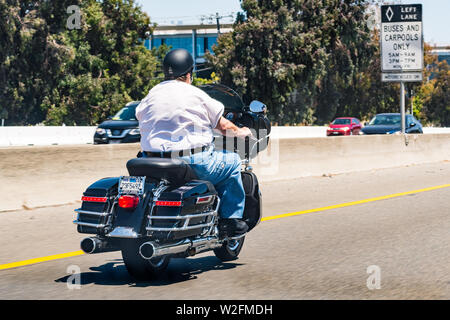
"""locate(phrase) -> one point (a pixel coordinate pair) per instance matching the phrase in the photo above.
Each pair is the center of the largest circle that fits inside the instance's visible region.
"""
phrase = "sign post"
(401, 47)
(402, 106)
(3, 116)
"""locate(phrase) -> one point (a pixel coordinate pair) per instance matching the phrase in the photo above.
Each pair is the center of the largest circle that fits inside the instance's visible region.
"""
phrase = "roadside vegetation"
(309, 61)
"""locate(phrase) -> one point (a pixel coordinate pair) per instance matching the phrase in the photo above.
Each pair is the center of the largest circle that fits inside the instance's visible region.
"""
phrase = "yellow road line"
(342, 205)
(347, 204)
(37, 260)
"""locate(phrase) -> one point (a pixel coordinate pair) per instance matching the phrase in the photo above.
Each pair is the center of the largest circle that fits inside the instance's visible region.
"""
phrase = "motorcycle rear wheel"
(229, 250)
(140, 268)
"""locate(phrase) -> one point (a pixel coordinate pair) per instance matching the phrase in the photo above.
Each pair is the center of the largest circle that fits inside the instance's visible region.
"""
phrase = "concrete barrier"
(293, 158)
(36, 176)
(32, 177)
(428, 130)
(298, 132)
(43, 135)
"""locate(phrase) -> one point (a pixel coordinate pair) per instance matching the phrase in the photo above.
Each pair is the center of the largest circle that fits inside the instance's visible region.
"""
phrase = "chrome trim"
(163, 185)
(123, 232)
(200, 245)
(109, 217)
(183, 228)
(205, 244)
(190, 216)
(86, 224)
(98, 245)
(158, 251)
(187, 218)
(209, 198)
(104, 215)
(124, 133)
(99, 214)
(93, 242)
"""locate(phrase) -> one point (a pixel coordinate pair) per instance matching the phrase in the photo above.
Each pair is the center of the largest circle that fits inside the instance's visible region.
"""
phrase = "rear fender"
(129, 223)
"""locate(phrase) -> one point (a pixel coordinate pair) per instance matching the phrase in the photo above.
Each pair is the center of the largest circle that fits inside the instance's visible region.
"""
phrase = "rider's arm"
(229, 129)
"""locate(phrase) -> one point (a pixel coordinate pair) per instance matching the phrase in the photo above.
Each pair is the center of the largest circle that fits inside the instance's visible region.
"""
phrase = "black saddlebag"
(183, 212)
(94, 212)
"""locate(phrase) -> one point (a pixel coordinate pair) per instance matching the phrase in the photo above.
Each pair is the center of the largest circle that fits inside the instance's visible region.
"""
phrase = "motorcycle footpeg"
(237, 237)
(232, 228)
(225, 238)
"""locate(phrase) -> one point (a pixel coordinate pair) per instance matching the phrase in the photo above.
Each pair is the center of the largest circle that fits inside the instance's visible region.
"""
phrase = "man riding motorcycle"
(177, 119)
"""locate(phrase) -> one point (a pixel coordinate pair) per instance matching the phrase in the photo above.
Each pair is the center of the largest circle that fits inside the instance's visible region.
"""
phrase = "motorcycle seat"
(176, 171)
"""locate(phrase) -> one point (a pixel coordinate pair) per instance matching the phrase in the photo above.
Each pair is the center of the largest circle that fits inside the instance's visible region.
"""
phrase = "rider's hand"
(229, 129)
(244, 132)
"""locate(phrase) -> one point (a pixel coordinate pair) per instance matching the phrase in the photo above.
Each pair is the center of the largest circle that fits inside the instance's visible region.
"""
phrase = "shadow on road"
(115, 273)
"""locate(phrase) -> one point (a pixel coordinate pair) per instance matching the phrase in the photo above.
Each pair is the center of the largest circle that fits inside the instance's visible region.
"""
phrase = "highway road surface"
(380, 234)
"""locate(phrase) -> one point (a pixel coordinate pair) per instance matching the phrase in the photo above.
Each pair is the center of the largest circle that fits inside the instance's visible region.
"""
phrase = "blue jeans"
(223, 170)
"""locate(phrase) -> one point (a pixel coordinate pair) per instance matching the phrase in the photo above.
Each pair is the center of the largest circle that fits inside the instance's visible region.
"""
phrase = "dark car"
(391, 123)
(122, 128)
(344, 126)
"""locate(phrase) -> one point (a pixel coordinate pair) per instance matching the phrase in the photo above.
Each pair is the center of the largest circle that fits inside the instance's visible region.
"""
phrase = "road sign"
(401, 38)
(401, 47)
(402, 76)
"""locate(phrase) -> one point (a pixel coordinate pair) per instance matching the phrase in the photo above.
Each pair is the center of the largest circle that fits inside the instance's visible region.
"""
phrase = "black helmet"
(177, 63)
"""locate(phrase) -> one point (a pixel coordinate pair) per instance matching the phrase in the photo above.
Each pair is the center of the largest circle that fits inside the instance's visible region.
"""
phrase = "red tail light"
(168, 203)
(128, 202)
(206, 199)
(94, 199)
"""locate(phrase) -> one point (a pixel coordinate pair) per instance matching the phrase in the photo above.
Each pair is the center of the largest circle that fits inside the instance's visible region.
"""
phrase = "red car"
(344, 126)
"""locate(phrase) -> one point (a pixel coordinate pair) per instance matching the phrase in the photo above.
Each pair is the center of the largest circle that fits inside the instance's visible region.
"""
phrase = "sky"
(436, 21)
(189, 11)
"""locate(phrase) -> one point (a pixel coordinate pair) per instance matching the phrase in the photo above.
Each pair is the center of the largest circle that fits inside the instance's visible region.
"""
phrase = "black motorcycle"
(161, 210)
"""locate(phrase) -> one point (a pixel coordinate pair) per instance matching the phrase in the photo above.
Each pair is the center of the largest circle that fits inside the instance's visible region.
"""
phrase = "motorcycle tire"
(229, 250)
(140, 268)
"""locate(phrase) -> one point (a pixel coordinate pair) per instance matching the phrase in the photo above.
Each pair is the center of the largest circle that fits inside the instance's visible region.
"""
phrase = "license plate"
(131, 185)
(114, 141)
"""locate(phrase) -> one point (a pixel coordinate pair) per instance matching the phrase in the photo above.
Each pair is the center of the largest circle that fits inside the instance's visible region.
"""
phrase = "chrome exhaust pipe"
(95, 245)
(150, 249)
(147, 250)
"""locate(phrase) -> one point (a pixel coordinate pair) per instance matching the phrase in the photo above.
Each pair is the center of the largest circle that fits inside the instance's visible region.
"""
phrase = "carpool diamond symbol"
(389, 13)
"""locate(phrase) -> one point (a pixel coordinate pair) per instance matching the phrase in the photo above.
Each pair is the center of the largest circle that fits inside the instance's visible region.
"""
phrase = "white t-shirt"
(177, 116)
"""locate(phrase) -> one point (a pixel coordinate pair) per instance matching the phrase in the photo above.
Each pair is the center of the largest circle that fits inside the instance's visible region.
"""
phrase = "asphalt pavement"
(385, 248)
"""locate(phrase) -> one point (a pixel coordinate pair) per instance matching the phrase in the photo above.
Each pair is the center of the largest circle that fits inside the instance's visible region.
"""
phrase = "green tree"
(437, 106)
(110, 67)
(310, 48)
(364, 94)
(52, 74)
(31, 57)
(430, 102)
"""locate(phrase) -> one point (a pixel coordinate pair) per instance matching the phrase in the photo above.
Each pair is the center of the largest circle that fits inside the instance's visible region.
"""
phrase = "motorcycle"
(162, 211)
